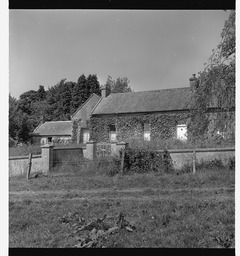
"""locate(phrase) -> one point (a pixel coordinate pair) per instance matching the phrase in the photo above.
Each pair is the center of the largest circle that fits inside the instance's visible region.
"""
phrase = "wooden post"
(122, 161)
(29, 165)
(194, 162)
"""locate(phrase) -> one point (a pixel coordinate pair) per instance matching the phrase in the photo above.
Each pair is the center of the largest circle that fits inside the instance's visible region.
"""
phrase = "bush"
(109, 166)
(215, 163)
(143, 160)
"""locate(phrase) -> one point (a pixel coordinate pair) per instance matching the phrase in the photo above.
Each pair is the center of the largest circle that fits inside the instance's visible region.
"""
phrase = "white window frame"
(185, 135)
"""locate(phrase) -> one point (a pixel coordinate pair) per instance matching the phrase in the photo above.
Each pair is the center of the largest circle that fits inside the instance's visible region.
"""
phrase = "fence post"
(47, 158)
(29, 165)
(122, 160)
(194, 161)
(121, 146)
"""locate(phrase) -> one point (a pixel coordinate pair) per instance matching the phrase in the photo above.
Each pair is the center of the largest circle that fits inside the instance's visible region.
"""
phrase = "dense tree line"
(57, 103)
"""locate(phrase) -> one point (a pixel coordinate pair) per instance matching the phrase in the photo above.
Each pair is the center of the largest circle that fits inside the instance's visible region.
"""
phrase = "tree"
(216, 86)
(41, 93)
(92, 85)
(13, 126)
(78, 94)
(121, 85)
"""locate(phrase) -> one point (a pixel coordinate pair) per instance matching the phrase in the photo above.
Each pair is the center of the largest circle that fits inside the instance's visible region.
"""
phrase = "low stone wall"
(18, 165)
(51, 156)
(186, 158)
(63, 154)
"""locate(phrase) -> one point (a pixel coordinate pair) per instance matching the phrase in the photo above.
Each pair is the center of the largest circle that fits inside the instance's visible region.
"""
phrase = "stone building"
(148, 115)
(63, 131)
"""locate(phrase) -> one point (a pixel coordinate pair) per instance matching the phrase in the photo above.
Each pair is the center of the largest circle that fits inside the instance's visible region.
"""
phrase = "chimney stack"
(103, 91)
(42, 120)
(193, 83)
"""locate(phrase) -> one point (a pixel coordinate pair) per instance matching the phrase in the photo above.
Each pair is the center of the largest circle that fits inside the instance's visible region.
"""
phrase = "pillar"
(47, 158)
(90, 151)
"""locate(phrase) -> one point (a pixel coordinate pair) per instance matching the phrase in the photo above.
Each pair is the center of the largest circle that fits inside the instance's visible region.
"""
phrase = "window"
(182, 132)
(49, 139)
(112, 132)
(146, 132)
(86, 135)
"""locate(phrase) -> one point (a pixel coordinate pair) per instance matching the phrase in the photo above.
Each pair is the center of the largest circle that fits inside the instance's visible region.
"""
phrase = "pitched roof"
(146, 101)
(92, 95)
(54, 128)
(85, 109)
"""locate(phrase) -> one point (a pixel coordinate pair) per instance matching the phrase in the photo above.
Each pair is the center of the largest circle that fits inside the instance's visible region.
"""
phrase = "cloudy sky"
(153, 49)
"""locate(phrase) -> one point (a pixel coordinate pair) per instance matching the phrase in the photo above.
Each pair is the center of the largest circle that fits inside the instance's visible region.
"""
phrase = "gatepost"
(90, 151)
(121, 145)
(47, 158)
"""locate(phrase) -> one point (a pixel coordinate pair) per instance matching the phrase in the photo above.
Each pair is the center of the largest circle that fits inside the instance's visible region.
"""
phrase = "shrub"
(109, 166)
(142, 160)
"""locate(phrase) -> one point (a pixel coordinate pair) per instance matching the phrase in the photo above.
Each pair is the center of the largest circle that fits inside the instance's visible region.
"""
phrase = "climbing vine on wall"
(76, 129)
(162, 125)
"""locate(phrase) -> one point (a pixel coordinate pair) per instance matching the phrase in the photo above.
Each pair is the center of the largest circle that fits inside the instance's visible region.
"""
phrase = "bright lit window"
(146, 132)
(182, 132)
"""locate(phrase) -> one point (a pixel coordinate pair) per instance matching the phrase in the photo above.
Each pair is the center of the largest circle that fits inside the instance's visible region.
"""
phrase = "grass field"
(171, 210)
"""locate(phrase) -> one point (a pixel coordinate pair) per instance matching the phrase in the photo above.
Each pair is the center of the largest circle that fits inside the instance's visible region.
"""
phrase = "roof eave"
(143, 112)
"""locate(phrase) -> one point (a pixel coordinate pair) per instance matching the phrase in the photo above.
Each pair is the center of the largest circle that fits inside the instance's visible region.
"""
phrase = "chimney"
(42, 120)
(193, 83)
(103, 91)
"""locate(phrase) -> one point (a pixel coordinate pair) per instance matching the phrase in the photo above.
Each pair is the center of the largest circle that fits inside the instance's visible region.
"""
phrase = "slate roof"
(85, 109)
(54, 128)
(85, 103)
(145, 101)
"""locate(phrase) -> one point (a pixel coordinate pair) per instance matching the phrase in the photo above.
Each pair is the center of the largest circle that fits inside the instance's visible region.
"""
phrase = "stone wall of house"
(128, 126)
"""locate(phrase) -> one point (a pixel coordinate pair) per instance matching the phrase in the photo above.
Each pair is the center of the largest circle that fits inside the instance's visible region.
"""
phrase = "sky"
(154, 49)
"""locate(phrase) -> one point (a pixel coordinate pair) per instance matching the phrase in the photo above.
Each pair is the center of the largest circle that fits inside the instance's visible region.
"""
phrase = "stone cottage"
(147, 115)
(63, 131)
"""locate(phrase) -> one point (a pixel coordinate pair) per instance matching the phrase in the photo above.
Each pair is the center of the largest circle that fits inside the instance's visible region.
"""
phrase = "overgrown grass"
(72, 178)
(177, 209)
(174, 220)
(169, 210)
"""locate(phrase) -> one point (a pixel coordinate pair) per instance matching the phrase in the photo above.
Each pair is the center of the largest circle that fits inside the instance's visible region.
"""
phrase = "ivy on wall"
(128, 126)
(76, 130)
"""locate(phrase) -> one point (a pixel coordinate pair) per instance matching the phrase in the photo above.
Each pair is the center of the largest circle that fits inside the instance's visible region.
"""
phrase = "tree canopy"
(216, 84)
(59, 102)
(121, 85)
